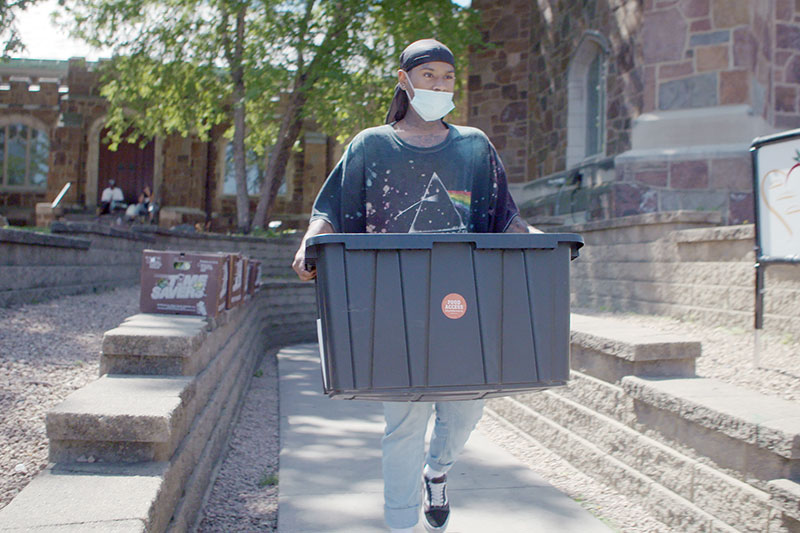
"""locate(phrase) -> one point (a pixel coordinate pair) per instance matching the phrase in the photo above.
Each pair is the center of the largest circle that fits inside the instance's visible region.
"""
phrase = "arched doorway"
(130, 166)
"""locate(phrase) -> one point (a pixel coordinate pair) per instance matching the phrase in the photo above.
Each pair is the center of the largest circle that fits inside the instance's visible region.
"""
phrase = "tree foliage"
(10, 39)
(185, 66)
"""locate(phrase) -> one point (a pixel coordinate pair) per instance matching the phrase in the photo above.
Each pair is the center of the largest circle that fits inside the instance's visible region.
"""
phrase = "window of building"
(255, 173)
(24, 154)
(586, 88)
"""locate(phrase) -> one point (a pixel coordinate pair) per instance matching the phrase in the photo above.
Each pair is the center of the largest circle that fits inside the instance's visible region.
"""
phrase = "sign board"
(776, 172)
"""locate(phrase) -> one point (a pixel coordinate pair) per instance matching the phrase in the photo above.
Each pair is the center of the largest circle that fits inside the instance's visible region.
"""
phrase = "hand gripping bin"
(431, 317)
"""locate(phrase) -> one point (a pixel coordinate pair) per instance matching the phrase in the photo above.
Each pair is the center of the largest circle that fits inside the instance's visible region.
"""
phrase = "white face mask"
(430, 105)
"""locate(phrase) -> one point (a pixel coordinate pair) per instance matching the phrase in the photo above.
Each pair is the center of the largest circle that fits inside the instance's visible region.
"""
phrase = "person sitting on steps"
(112, 199)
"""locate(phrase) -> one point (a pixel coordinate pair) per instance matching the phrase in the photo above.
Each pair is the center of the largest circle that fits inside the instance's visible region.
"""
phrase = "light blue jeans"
(404, 450)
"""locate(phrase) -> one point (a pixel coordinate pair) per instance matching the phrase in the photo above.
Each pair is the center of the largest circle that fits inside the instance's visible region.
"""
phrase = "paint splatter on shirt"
(385, 185)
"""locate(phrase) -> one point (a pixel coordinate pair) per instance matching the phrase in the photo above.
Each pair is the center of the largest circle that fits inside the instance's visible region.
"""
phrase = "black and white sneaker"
(435, 506)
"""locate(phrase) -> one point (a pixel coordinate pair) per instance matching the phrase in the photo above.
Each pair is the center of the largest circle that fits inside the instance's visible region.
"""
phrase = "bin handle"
(421, 241)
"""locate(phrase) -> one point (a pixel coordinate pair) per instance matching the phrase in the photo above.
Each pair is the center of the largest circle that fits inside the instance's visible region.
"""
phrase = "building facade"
(52, 133)
(607, 108)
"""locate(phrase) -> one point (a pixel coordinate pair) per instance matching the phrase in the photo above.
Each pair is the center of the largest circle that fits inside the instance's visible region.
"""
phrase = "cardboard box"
(248, 280)
(184, 283)
(236, 280)
(259, 273)
(255, 275)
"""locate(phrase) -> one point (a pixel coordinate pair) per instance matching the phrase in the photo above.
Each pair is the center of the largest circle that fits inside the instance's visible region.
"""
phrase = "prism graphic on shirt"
(437, 211)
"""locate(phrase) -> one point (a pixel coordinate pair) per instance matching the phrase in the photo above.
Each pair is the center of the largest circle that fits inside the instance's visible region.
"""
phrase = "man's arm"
(317, 227)
(518, 225)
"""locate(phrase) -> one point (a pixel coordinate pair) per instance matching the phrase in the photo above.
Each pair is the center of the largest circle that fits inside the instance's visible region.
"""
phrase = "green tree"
(186, 66)
(9, 34)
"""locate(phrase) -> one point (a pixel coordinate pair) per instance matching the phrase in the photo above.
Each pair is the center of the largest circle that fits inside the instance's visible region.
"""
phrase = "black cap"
(425, 51)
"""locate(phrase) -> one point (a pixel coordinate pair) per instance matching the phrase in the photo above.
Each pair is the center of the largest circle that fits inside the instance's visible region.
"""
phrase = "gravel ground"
(48, 350)
(245, 494)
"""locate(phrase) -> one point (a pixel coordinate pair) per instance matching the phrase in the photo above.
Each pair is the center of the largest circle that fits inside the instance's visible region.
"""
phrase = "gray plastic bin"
(454, 316)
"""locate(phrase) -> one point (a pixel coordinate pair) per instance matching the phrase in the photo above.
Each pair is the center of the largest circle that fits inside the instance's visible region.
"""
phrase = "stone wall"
(718, 180)
(688, 84)
(79, 258)
(681, 264)
(498, 85)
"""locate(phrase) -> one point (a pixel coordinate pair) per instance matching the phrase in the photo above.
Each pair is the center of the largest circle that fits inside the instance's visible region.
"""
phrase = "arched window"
(586, 90)
(24, 154)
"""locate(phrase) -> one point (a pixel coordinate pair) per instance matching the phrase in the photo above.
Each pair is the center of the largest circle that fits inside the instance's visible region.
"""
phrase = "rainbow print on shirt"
(461, 199)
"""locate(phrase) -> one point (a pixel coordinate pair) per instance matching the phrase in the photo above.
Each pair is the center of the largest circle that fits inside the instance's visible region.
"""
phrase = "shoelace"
(437, 493)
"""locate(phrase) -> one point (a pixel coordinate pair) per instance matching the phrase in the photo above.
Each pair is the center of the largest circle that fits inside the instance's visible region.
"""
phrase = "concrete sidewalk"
(330, 469)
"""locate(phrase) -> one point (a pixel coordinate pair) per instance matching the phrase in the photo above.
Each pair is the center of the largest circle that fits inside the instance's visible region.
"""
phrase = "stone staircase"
(702, 455)
(136, 450)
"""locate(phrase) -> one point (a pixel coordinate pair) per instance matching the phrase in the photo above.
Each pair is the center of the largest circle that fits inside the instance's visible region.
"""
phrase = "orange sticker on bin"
(454, 305)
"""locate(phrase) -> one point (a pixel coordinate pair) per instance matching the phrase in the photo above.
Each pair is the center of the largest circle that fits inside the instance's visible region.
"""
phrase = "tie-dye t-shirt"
(385, 185)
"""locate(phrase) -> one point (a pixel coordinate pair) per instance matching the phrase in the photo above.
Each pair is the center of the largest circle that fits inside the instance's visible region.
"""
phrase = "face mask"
(431, 105)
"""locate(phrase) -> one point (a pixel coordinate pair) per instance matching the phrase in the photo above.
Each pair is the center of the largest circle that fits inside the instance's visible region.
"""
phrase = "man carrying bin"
(418, 174)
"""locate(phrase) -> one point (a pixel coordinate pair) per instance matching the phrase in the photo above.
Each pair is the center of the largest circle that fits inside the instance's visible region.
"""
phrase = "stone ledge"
(744, 232)
(157, 230)
(99, 229)
(769, 423)
(785, 495)
(134, 350)
(660, 217)
(217, 375)
(121, 408)
(630, 343)
(285, 283)
(608, 349)
(191, 424)
(107, 498)
(149, 334)
(42, 239)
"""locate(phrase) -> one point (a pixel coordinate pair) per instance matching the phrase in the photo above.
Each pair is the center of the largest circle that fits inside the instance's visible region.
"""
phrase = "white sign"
(778, 197)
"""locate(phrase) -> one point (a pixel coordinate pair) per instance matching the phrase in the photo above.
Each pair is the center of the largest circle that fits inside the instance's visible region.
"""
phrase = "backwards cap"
(425, 51)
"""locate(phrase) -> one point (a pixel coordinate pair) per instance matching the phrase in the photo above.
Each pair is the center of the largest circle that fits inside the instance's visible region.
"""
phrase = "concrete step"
(682, 492)
(609, 349)
(142, 496)
(176, 345)
(785, 495)
(97, 498)
(128, 418)
(690, 471)
(605, 398)
(755, 435)
(120, 418)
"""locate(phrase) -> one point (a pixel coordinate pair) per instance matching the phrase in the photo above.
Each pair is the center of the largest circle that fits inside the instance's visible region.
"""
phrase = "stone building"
(607, 108)
(52, 133)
